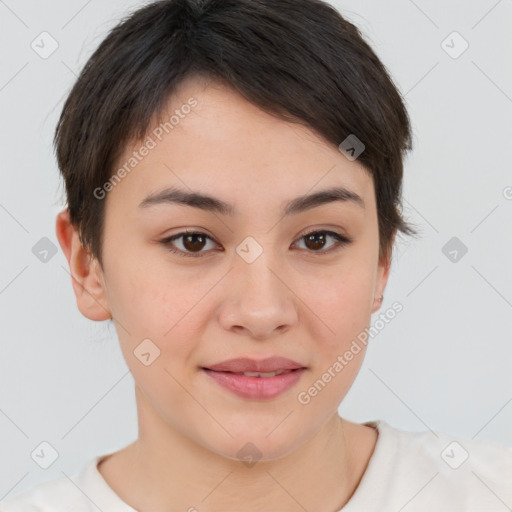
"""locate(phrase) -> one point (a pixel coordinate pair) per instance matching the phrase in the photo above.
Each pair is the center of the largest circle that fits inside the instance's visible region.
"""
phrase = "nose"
(258, 301)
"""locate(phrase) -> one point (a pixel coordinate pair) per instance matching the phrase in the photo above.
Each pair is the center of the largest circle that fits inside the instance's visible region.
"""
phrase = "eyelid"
(332, 230)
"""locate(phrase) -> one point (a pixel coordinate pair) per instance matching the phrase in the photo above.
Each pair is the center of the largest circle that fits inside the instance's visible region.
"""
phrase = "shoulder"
(61, 493)
(42, 497)
(435, 468)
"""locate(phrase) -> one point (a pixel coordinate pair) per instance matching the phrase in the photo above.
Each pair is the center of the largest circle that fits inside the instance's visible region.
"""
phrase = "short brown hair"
(299, 60)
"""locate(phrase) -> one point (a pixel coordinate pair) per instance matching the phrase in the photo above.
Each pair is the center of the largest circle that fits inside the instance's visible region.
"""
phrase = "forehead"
(209, 138)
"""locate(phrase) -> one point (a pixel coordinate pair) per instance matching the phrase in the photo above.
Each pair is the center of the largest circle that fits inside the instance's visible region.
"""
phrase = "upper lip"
(244, 364)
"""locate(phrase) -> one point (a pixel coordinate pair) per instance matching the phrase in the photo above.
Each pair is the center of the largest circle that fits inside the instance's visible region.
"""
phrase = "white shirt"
(409, 471)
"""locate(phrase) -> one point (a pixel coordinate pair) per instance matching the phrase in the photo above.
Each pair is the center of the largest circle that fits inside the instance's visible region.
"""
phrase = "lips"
(256, 388)
(256, 379)
(262, 366)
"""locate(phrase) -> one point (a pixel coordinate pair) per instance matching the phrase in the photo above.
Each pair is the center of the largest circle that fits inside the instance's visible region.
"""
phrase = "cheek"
(340, 302)
(163, 307)
(150, 298)
(341, 318)
(160, 341)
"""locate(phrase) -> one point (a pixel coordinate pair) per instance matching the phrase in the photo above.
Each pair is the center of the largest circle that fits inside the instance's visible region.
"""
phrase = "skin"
(291, 301)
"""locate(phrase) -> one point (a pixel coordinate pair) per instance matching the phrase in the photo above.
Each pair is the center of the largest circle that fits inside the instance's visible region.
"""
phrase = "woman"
(233, 173)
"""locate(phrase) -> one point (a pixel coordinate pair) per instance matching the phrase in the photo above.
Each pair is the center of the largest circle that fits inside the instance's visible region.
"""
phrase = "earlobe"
(382, 279)
(86, 274)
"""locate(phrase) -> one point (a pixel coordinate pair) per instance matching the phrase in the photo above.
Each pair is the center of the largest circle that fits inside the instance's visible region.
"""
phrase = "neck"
(164, 469)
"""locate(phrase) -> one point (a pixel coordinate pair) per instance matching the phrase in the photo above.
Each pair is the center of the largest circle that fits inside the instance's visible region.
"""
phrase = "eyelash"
(341, 242)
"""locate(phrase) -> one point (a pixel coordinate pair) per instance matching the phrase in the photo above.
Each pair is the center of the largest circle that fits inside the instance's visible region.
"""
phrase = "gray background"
(443, 363)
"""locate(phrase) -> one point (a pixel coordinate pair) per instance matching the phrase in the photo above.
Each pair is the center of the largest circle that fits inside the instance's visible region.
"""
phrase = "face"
(254, 282)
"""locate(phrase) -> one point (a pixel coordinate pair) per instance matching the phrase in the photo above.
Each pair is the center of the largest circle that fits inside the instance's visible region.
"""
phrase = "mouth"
(256, 374)
(256, 385)
(243, 365)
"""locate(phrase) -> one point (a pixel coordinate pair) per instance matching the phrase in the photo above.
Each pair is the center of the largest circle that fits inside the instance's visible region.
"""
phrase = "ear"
(382, 276)
(86, 273)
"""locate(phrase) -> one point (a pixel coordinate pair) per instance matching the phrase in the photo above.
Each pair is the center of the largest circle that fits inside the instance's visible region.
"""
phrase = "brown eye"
(192, 243)
(316, 241)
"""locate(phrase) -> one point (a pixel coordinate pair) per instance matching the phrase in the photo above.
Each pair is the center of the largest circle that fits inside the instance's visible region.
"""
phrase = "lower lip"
(256, 387)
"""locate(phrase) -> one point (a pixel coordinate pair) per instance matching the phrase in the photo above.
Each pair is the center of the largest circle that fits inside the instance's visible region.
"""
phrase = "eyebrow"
(204, 202)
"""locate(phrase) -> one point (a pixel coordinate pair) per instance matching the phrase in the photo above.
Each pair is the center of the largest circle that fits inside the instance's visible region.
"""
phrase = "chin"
(251, 447)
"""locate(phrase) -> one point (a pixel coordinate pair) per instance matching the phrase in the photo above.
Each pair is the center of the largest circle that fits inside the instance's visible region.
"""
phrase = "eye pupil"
(312, 237)
(191, 245)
